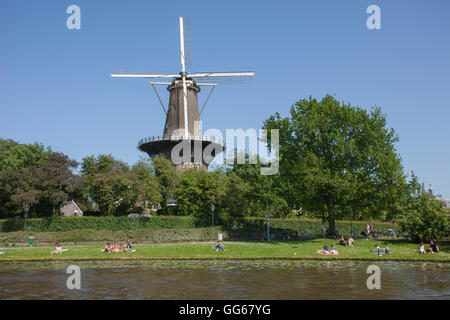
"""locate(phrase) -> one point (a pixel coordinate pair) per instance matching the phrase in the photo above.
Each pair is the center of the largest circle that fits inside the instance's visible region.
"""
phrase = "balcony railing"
(172, 137)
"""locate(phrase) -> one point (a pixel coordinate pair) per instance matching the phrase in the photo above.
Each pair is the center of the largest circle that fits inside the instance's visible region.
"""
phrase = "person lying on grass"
(326, 250)
(58, 249)
(377, 250)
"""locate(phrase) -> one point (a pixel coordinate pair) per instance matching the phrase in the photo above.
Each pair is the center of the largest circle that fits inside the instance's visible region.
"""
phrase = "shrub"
(137, 235)
(111, 223)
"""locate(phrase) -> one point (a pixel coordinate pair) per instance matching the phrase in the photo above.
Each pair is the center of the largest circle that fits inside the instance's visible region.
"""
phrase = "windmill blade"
(143, 75)
(222, 74)
(187, 42)
(224, 77)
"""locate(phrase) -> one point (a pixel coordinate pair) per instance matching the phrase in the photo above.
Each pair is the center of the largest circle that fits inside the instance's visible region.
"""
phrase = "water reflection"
(224, 280)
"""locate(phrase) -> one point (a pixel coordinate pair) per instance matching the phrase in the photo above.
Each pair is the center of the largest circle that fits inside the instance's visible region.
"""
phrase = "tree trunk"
(331, 218)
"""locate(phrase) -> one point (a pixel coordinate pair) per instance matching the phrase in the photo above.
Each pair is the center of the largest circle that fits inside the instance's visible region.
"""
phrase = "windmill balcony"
(168, 137)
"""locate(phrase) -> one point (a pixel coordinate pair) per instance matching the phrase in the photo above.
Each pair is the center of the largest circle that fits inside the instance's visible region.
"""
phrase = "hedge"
(249, 228)
(103, 236)
(111, 223)
(285, 229)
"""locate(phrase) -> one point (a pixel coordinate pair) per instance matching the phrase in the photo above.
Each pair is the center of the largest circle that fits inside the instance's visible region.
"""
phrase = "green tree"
(425, 219)
(259, 190)
(42, 187)
(197, 191)
(108, 184)
(335, 158)
(16, 156)
(145, 184)
(167, 178)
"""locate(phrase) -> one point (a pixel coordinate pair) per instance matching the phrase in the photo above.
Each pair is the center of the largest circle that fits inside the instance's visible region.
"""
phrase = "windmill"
(183, 126)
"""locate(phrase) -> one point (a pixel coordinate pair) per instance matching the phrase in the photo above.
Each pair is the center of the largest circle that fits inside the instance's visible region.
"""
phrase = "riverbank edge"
(331, 258)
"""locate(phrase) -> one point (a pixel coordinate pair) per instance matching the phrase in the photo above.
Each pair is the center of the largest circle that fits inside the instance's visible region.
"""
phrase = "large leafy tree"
(17, 156)
(44, 188)
(336, 159)
(107, 182)
(118, 189)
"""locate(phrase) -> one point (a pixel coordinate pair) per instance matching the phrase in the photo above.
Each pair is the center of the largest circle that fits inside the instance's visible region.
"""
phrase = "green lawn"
(402, 250)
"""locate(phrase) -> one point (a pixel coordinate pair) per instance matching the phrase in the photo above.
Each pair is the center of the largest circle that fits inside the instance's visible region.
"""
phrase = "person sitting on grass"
(387, 250)
(434, 247)
(342, 241)
(127, 247)
(325, 249)
(58, 249)
(351, 242)
(218, 246)
(422, 248)
(107, 247)
(333, 248)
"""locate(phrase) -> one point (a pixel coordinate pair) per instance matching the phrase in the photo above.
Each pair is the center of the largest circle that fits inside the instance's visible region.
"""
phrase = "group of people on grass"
(118, 248)
(332, 249)
(434, 248)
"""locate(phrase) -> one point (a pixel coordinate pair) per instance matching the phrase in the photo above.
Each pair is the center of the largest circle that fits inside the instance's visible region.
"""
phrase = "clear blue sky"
(55, 86)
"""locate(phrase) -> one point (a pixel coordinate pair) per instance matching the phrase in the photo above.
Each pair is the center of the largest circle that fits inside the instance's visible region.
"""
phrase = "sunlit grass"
(305, 249)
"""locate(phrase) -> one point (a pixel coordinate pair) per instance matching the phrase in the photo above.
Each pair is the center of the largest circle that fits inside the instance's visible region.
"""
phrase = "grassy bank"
(305, 249)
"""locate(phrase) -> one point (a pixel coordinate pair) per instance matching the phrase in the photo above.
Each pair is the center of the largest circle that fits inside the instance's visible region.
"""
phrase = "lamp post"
(26, 207)
(267, 214)
(212, 210)
(351, 222)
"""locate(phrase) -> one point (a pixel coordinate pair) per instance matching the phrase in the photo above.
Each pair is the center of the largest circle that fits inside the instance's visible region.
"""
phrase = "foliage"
(167, 178)
(425, 219)
(15, 156)
(118, 189)
(197, 191)
(93, 235)
(256, 191)
(109, 223)
(336, 159)
(44, 187)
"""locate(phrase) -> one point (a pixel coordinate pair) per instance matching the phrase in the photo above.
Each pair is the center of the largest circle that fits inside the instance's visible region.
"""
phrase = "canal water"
(199, 280)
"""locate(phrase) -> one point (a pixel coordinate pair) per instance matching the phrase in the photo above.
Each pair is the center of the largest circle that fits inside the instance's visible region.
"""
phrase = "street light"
(351, 222)
(267, 213)
(26, 207)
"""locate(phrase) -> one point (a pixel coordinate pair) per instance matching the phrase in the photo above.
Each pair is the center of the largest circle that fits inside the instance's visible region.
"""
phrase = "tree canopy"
(337, 159)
